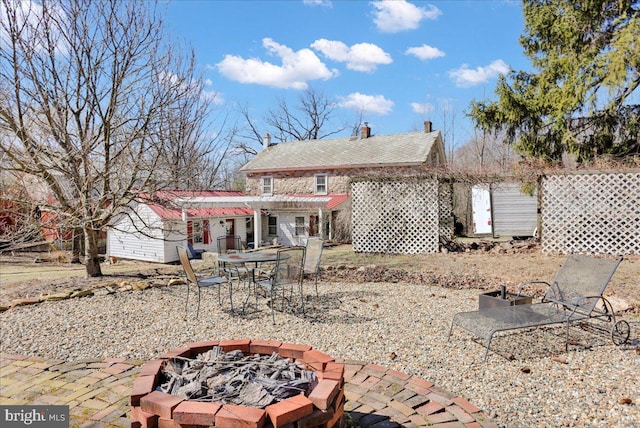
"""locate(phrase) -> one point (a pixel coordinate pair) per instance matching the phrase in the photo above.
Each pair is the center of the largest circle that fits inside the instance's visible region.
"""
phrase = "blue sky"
(399, 62)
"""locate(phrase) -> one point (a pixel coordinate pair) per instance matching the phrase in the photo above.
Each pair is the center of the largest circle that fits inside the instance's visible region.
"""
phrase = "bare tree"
(86, 88)
(486, 152)
(312, 118)
(306, 121)
(196, 145)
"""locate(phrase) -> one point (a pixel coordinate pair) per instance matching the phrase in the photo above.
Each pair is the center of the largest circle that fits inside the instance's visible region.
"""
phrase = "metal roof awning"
(263, 202)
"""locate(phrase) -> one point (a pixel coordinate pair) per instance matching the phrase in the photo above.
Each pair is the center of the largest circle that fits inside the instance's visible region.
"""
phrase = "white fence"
(591, 213)
(400, 216)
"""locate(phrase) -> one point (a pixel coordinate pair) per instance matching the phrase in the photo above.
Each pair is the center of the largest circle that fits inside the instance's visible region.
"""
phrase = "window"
(273, 226)
(195, 232)
(267, 185)
(321, 184)
(300, 226)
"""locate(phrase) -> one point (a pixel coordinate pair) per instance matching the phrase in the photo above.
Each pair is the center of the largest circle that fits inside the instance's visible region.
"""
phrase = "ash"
(231, 377)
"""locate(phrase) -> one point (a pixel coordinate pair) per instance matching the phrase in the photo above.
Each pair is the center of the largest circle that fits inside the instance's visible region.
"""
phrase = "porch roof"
(243, 205)
(172, 213)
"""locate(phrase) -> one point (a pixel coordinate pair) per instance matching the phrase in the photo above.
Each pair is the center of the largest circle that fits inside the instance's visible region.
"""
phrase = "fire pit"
(168, 391)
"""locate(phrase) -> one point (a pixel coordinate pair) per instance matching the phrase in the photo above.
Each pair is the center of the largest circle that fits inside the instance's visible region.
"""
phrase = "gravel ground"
(529, 382)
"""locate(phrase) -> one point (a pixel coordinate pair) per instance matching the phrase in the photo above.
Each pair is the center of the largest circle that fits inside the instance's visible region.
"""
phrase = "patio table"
(255, 257)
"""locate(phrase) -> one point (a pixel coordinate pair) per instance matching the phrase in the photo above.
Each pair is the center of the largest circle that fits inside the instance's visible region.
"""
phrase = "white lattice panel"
(595, 213)
(395, 216)
(445, 199)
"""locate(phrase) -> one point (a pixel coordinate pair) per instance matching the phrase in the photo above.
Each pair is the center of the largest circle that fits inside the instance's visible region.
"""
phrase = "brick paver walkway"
(97, 393)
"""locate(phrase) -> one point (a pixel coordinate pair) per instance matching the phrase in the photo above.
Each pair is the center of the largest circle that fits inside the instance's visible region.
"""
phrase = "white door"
(481, 205)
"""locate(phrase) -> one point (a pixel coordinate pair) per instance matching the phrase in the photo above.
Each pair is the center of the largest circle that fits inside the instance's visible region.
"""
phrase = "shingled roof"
(407, 149)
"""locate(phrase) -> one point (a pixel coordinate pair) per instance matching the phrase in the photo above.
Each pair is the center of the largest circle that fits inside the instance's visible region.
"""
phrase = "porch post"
(320, 223)
(257, 227)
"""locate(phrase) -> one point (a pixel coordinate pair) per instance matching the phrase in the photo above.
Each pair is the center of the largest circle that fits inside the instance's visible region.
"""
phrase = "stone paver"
(98, 393)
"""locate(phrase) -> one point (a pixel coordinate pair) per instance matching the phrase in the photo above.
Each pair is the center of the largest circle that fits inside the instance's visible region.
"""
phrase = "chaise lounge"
(573, 296)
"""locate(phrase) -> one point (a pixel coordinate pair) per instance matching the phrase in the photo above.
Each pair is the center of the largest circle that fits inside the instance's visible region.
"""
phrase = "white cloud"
(366, 104)
(323, 3)
(392, 16)
(359, 57)
(297, 68)
(465, 77)
(213, 96)
(424, 52)
(28, 14)
(422, 108)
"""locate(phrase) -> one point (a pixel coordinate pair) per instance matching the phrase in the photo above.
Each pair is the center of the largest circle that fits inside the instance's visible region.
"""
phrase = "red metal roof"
(336, 199)
(171, 213)
(166, 213)
(168, 195)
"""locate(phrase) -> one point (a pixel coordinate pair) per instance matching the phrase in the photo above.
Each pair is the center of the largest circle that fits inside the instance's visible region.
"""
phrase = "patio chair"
(573, 296)
(195, 254)
(212, 281)
(227, 243)
(312, 259)
(285, 276)
(233, 243)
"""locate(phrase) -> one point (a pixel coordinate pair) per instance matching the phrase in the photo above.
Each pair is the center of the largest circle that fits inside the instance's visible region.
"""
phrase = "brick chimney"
(365, 132)
(427, 126)
(266, 141)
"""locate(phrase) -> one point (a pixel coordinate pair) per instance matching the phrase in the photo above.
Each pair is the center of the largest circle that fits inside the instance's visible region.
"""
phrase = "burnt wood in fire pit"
(231, 377)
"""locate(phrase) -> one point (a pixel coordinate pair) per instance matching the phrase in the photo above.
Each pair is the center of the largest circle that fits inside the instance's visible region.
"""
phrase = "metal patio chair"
(287, 274)
(573, 296)
(312, 259)
(233, 244)
(229, 243)
(217, 281)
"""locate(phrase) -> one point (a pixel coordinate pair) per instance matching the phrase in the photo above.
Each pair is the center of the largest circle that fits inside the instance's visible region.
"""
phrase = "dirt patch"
(35, 274)
(481, 266)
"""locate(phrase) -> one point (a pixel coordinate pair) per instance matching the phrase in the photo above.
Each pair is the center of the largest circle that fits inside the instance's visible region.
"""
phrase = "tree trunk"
(76, 246)
(92, 258)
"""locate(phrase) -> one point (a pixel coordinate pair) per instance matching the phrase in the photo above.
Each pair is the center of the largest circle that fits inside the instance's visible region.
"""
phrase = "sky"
(398, 62)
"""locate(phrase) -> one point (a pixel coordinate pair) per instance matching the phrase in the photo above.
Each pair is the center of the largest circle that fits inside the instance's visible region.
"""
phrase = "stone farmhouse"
(327, 168)
(293, 191)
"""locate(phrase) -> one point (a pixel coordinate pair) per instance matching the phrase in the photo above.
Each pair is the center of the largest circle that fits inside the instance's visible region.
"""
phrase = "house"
(327, 168)
(293, 191)
(155, 225)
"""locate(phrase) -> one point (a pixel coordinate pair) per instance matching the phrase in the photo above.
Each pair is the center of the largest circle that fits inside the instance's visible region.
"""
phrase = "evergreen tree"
(583, 96)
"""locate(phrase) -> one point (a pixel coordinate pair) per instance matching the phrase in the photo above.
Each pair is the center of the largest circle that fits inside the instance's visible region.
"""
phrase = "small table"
(251, 257)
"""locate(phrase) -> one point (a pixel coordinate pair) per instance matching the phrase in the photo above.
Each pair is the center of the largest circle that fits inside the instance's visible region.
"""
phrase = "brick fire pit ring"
(323, 407)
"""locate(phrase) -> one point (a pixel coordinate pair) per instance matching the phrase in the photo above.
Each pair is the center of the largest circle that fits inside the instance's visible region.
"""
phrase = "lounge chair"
(574, 295)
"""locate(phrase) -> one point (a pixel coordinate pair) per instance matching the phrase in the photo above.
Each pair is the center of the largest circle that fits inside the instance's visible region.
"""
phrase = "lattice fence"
(592, 213)
(401, 216)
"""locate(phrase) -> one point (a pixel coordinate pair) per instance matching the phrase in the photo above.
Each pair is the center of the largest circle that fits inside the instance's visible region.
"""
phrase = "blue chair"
(195, 254)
